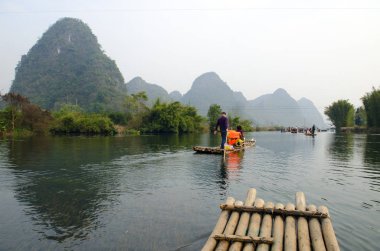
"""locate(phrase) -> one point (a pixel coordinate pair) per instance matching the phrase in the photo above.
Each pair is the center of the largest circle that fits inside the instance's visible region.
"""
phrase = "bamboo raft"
(253, 225)
(218, 150)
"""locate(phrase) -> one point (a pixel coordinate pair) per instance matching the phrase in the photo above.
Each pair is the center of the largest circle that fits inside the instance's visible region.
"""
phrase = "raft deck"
(218, 150)
(253, 225)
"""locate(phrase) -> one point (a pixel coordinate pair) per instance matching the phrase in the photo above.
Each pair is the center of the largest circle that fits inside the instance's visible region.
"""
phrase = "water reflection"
(372, 150)
(117, 193)
(341, 147)
(67, 183)
(372, 162)
(231, 165)
(61, 182)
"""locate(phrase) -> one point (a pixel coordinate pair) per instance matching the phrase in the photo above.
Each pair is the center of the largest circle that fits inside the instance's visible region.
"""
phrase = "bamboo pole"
(219, 227)
(328, 232)
(303, 228)
(316, 232)
(274, 211)
(278, 231)
(266, 228)
(254, 225)
(244, 220)
(230, 229)
(290, 231)
(240, 238)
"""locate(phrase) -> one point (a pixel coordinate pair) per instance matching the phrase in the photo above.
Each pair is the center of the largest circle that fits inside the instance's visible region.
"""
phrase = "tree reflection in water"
(372, 150)
(64, 195)
(341, 147)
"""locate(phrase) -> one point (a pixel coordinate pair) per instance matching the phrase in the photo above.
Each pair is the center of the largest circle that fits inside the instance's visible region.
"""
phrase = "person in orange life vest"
(241, 140)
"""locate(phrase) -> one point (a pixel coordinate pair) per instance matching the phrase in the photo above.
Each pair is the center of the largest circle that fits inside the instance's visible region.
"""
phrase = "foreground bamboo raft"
(255, 225)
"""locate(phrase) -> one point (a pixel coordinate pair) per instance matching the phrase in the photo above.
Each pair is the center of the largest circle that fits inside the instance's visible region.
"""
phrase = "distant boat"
(218, 150)
(308, 133)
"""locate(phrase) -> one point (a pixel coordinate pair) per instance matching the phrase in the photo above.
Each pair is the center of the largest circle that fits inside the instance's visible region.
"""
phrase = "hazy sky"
(323, 50)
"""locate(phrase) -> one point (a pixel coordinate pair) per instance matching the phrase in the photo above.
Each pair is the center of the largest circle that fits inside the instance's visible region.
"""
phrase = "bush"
(75, 122)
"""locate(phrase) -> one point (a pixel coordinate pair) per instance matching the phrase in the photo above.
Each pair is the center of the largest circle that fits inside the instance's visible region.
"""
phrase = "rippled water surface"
(154, 193)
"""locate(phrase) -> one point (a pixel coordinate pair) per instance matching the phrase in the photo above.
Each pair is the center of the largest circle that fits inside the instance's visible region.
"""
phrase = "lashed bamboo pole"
(290, 242)
(303, 228)
(219, 227)
(315, 232)
(254, 225)
(278, 231)
(230, 229)
(328, 232)
(266, 228)
(274, 211)
(240, 238)
(244, 220)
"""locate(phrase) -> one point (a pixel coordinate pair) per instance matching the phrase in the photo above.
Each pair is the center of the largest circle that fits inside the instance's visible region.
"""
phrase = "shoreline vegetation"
(21, 118)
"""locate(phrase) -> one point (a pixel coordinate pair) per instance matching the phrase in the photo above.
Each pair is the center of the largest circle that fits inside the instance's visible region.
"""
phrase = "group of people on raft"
(233, 137)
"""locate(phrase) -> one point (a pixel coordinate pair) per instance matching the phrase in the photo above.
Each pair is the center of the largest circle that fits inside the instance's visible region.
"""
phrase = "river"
(154, 193)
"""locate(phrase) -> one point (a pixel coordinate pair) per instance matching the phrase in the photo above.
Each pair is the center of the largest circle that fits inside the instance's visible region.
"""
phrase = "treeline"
(20, 117)
(343, 114)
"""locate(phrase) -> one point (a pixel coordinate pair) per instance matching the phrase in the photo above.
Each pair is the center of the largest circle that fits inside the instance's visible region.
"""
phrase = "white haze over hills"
(324, 50)
(275, 109)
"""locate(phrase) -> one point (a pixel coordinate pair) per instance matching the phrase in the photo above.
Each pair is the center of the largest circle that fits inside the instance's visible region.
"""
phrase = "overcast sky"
(323, 50)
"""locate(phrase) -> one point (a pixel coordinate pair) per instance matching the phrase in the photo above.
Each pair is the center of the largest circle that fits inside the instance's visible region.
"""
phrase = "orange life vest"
(232, 137)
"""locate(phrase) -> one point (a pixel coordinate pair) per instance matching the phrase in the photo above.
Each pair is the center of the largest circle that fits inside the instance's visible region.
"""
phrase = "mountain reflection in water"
(154, 193)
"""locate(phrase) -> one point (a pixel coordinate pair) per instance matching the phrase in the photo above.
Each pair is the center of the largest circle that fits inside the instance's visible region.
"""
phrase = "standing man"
(223, 125)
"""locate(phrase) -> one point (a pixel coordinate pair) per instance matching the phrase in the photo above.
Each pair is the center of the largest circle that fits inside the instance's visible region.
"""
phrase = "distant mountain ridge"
(67, 65)
(274, 109)
(279, 108)
(209, 89)
(153, 91)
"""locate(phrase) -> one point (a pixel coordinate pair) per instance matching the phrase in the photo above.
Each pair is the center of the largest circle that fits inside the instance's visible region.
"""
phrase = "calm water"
(154, 193)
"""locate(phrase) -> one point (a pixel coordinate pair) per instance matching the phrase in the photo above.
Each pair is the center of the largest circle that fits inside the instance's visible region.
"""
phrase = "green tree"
(14, 102)
(136, 109)
(172, 118)
(70, 119)
(371, 103)
(245, 124)
(21, 114)
(213, 114)
(360, 117)
(341, 113)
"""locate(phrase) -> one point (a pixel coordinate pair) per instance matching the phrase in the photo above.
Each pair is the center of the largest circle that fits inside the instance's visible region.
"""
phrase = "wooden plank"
(274, 211)
(316, 232)
(302, 224)
(230, 229)
(266, 228)
(290, 242)
(219, 227)
(244, 220)
(254, 225)
(278, 231)
(328, 232)
(241, 238)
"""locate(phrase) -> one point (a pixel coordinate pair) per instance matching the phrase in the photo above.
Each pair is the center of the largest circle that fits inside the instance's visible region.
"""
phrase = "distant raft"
(218, 150)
